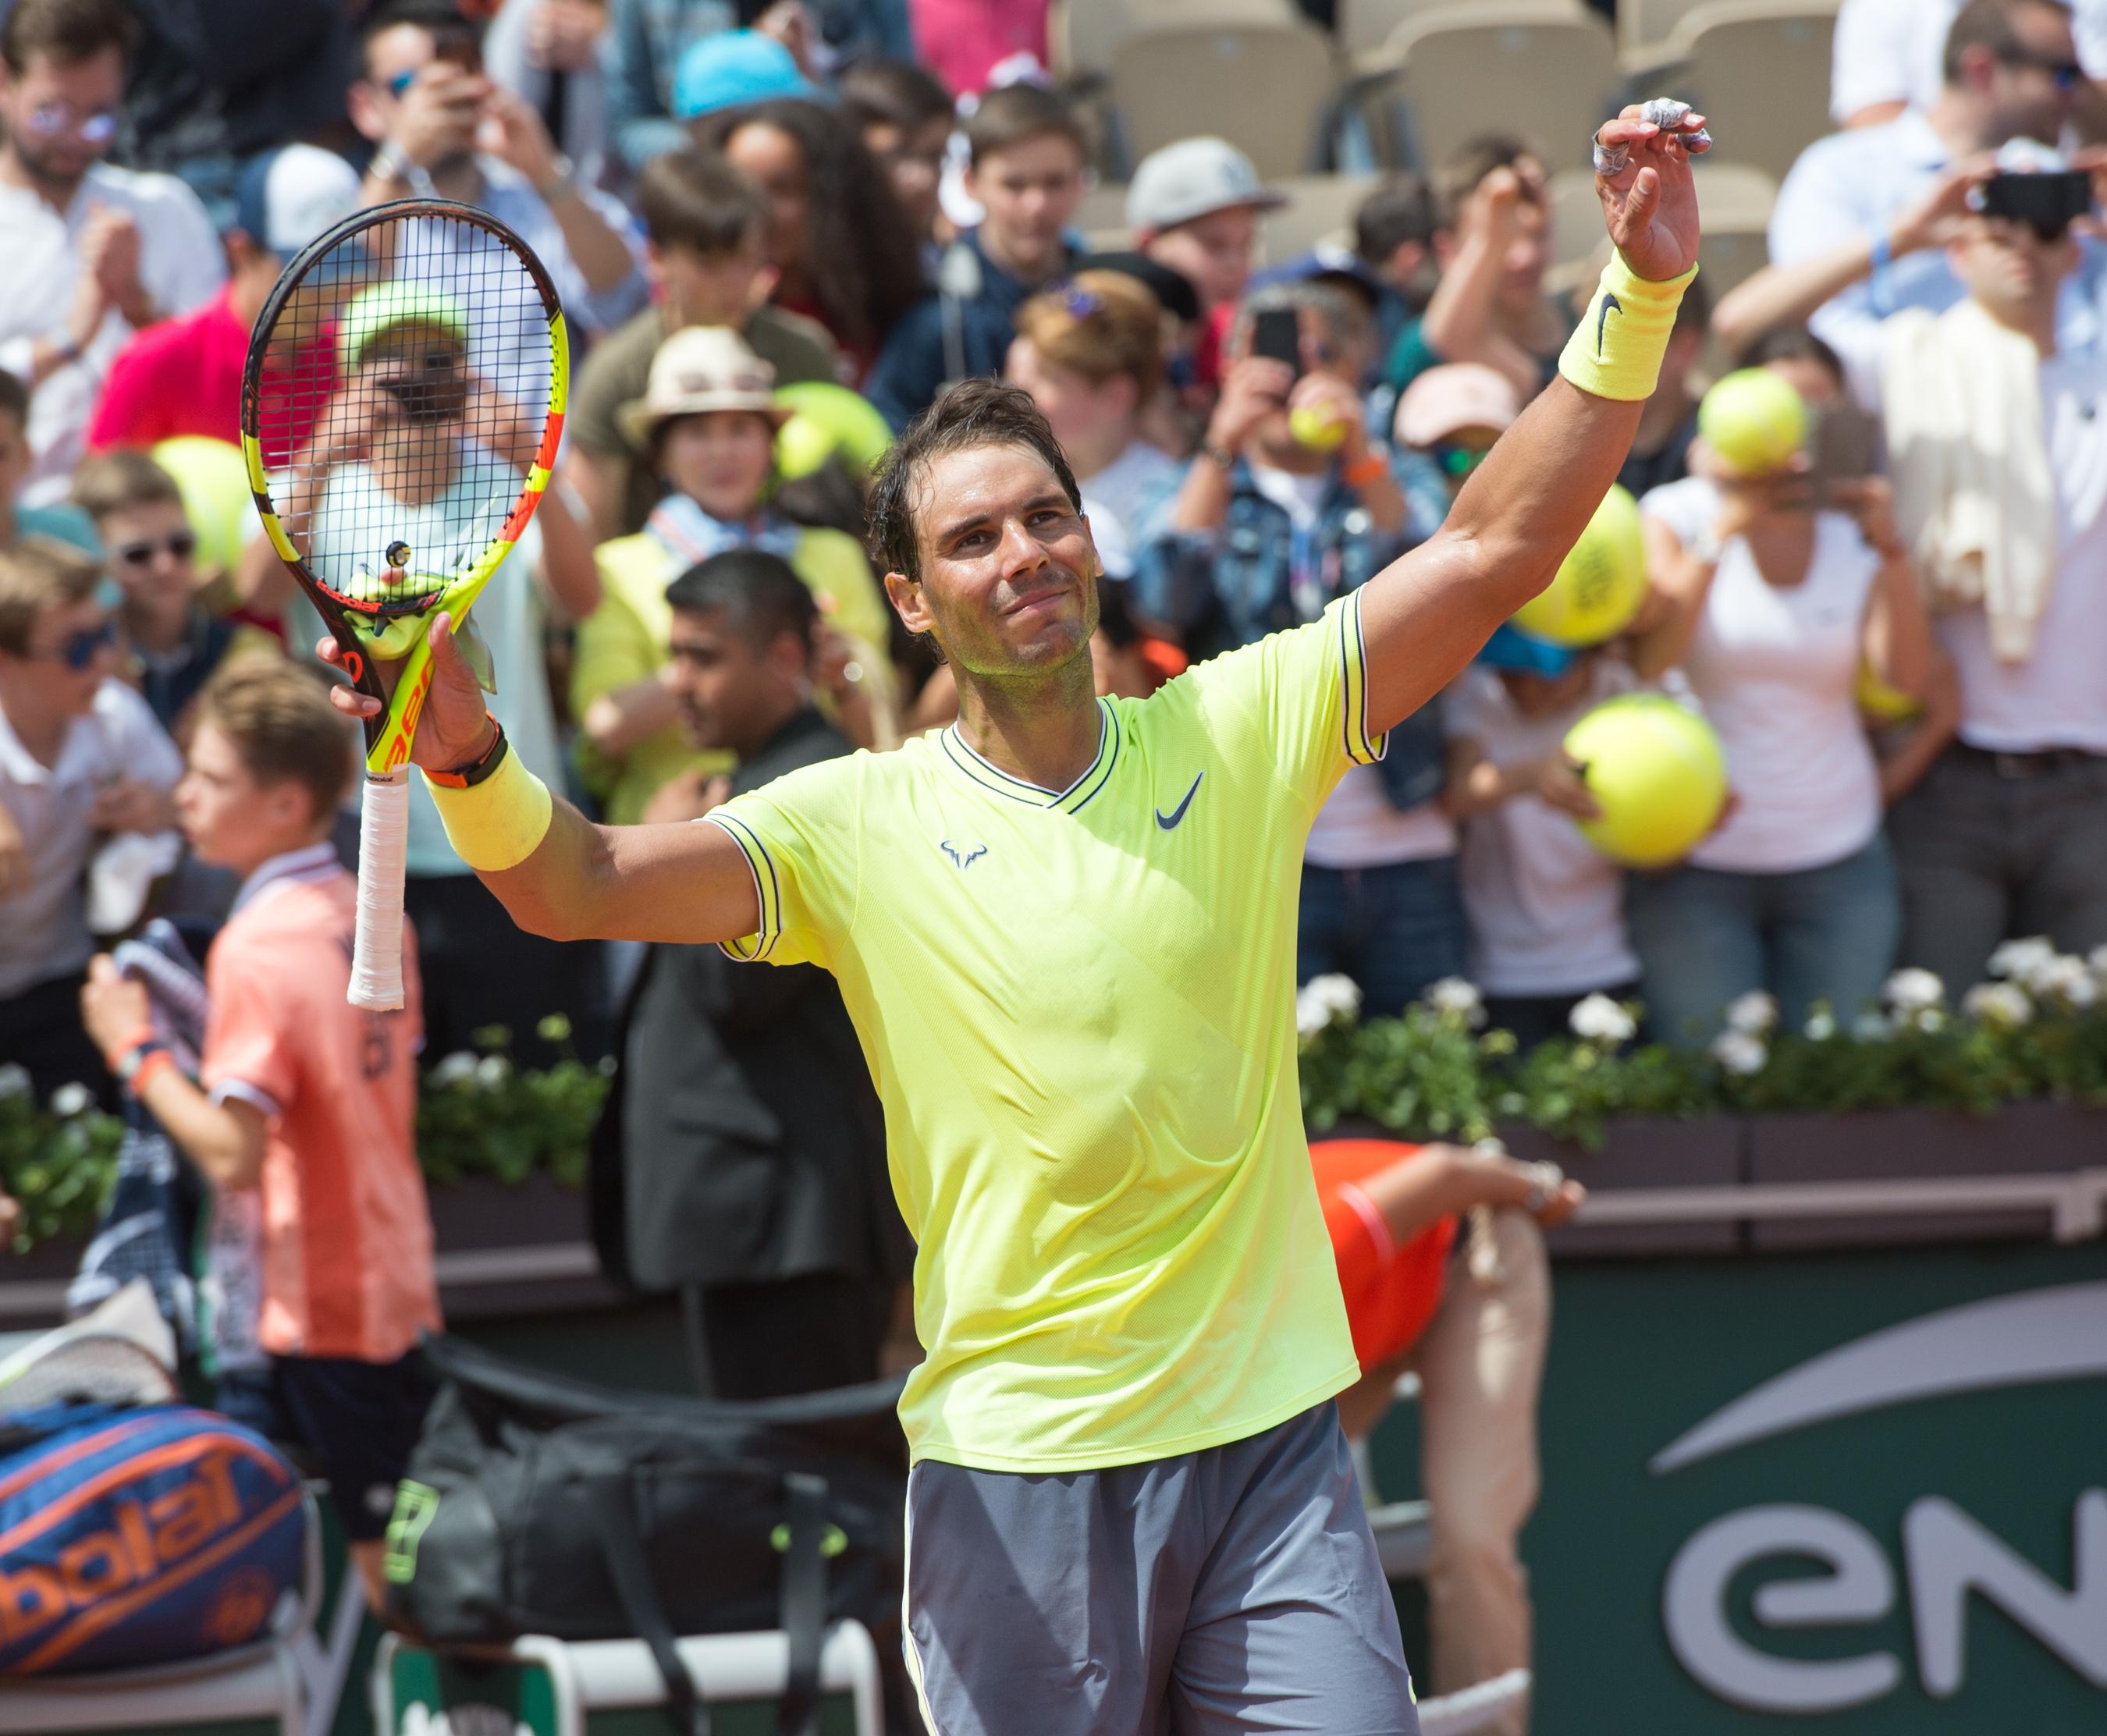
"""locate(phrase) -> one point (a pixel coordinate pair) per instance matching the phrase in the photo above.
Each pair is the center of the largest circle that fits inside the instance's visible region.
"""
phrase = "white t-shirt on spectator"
(1894, 51)
(1775, 668)
(1108, 531)
(1136, 485)
(1357, 828)
(2058, 697)
(1546, 907)
(44, 931)
(1846, 186)
(181, 267)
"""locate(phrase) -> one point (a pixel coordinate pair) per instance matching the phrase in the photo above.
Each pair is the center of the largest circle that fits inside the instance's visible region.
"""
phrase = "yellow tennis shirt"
(1079, 1011)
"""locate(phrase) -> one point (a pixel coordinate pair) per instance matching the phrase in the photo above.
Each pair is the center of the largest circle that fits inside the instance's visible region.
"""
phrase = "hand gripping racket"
(401, 408)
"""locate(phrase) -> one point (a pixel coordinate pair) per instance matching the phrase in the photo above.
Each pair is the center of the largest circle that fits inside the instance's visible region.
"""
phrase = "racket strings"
(405, 392)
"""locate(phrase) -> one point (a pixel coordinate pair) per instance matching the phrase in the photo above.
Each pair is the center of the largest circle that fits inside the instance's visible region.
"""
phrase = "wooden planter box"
(1645, 1154)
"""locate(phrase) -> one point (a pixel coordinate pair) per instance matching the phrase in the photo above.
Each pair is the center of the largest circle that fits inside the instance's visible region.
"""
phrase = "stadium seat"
(1644, 24)
(1085, 36)
(1364, 25)
(1758, 70)
(1319, 208)
(1540, 67)
(1266, 89)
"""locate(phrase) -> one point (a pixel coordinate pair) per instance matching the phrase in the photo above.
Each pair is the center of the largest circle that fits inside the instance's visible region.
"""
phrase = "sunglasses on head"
(79, 650)
(1456, 460)
(181, 544)
(2067, 75)
(49, 120)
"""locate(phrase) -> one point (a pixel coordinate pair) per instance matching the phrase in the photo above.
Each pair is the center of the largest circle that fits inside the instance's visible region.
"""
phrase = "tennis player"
(1065, 929)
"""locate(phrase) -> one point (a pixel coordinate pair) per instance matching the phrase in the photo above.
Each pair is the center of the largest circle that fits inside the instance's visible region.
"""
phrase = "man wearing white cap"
(1194, 206)
(183, 376)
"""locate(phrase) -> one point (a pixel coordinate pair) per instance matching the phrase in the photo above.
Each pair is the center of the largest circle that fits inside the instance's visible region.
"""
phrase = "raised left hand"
(113, 1008)
(513, 132)
(1648, 201)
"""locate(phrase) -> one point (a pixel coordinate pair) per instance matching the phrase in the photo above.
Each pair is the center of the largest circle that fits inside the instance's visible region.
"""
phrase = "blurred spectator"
(2010, 71)
(1091, 354)
(173, 641)
(905, 116)
(442, 128)
(1194, 206)
(299, 1095)
(1545, 909)
(1887, 55)
(704, 220)
(80, 756)
(1660, 448)
(64, 522)
(2002, 505)
(708, 424)
(969, 43)
(93, 253)
(1770, 600)
(750, 1137)
(1492, 244)
(183, 375)
(645, 42)
(1475, 1328)
(843, 253)
(1025, 171)
(547, 53)
(1394, 236)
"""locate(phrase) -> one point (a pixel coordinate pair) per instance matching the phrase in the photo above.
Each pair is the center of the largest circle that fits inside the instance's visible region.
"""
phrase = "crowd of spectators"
(779, 230)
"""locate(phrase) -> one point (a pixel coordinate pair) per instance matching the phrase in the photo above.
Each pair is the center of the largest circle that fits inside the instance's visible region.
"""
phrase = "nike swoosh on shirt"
(1169, 822)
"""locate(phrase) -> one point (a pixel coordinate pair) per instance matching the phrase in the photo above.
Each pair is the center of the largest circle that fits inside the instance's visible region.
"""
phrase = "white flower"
(2064, 977)
(70, 1100)
(1821, 1025)
(457, 1066)
(1600, 1019)
(1913, 990)
(1931, 1019)
(491, 1071)
(1871, 1027)
(1997, 1003)
(1739, 1052)
(2018, 960)
(1453, 994)
(1323, 1002)
(13, 1080)
(2097, 959)
(1751, 1014)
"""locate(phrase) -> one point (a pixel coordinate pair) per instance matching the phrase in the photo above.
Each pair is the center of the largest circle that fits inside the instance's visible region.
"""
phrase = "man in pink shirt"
(183, 376)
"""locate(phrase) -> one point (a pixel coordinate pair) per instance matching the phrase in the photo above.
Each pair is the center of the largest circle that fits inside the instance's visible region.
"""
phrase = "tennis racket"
(401, 408)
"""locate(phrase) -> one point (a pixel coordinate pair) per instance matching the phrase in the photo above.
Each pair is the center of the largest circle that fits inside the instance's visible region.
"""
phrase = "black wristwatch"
(469, 776)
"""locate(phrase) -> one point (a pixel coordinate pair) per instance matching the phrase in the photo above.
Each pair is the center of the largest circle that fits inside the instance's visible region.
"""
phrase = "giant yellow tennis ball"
(829, 419)
(1657, 771)
(1754, 421)
(1317, 428)
(218, 500)
(1599, 585)
(1880, 703)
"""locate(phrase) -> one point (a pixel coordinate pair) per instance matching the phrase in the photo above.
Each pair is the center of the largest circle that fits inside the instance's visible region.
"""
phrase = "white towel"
(1974, 497)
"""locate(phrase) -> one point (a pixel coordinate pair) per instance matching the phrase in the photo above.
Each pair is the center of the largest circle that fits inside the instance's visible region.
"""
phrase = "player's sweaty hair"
(973, 413)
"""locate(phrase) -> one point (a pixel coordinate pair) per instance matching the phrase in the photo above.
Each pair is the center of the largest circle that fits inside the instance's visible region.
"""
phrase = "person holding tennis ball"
(1064, 930)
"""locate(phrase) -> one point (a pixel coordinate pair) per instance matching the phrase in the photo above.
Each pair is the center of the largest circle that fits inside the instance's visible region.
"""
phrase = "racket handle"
(376, 957)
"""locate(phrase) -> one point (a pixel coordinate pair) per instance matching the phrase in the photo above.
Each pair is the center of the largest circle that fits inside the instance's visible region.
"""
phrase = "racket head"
(402, 405)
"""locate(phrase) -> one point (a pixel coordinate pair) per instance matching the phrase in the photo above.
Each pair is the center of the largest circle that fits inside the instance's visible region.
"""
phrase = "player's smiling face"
(1009, 578)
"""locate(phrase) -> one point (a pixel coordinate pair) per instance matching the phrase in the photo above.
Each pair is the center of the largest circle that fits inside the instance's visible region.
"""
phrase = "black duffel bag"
(537, 1504)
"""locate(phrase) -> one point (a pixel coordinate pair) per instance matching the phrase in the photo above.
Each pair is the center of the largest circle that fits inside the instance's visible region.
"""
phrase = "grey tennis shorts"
(1232, 1589)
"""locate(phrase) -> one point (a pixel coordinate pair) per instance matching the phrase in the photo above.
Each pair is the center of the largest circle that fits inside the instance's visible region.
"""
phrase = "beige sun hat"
(699, 368)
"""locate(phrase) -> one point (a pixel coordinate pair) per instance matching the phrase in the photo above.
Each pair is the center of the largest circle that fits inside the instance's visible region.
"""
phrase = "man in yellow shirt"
(1064, 931)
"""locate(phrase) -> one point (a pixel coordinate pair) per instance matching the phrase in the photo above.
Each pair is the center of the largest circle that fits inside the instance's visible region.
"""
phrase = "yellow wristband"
(499, 823)
(1615, 351)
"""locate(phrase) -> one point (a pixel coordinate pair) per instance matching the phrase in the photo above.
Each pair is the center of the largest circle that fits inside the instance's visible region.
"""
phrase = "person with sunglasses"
(2010, 70)
(173, 641)
(93, 252)
(81, 758)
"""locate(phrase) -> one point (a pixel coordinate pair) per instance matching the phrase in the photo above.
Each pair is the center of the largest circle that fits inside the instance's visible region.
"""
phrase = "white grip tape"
(376, 957)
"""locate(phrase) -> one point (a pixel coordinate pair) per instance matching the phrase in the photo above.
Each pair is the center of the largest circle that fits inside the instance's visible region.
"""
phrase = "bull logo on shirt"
(963, 856)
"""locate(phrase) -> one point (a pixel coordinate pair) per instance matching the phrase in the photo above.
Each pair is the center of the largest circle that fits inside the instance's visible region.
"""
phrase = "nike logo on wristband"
(1602, 319)
(1170, 822)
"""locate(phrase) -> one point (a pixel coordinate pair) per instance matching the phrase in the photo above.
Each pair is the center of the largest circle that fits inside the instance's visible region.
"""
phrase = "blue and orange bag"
(137, 1536)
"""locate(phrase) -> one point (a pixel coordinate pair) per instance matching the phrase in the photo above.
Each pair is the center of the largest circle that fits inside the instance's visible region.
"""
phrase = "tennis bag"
(537, 1504)
(135, 1536)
